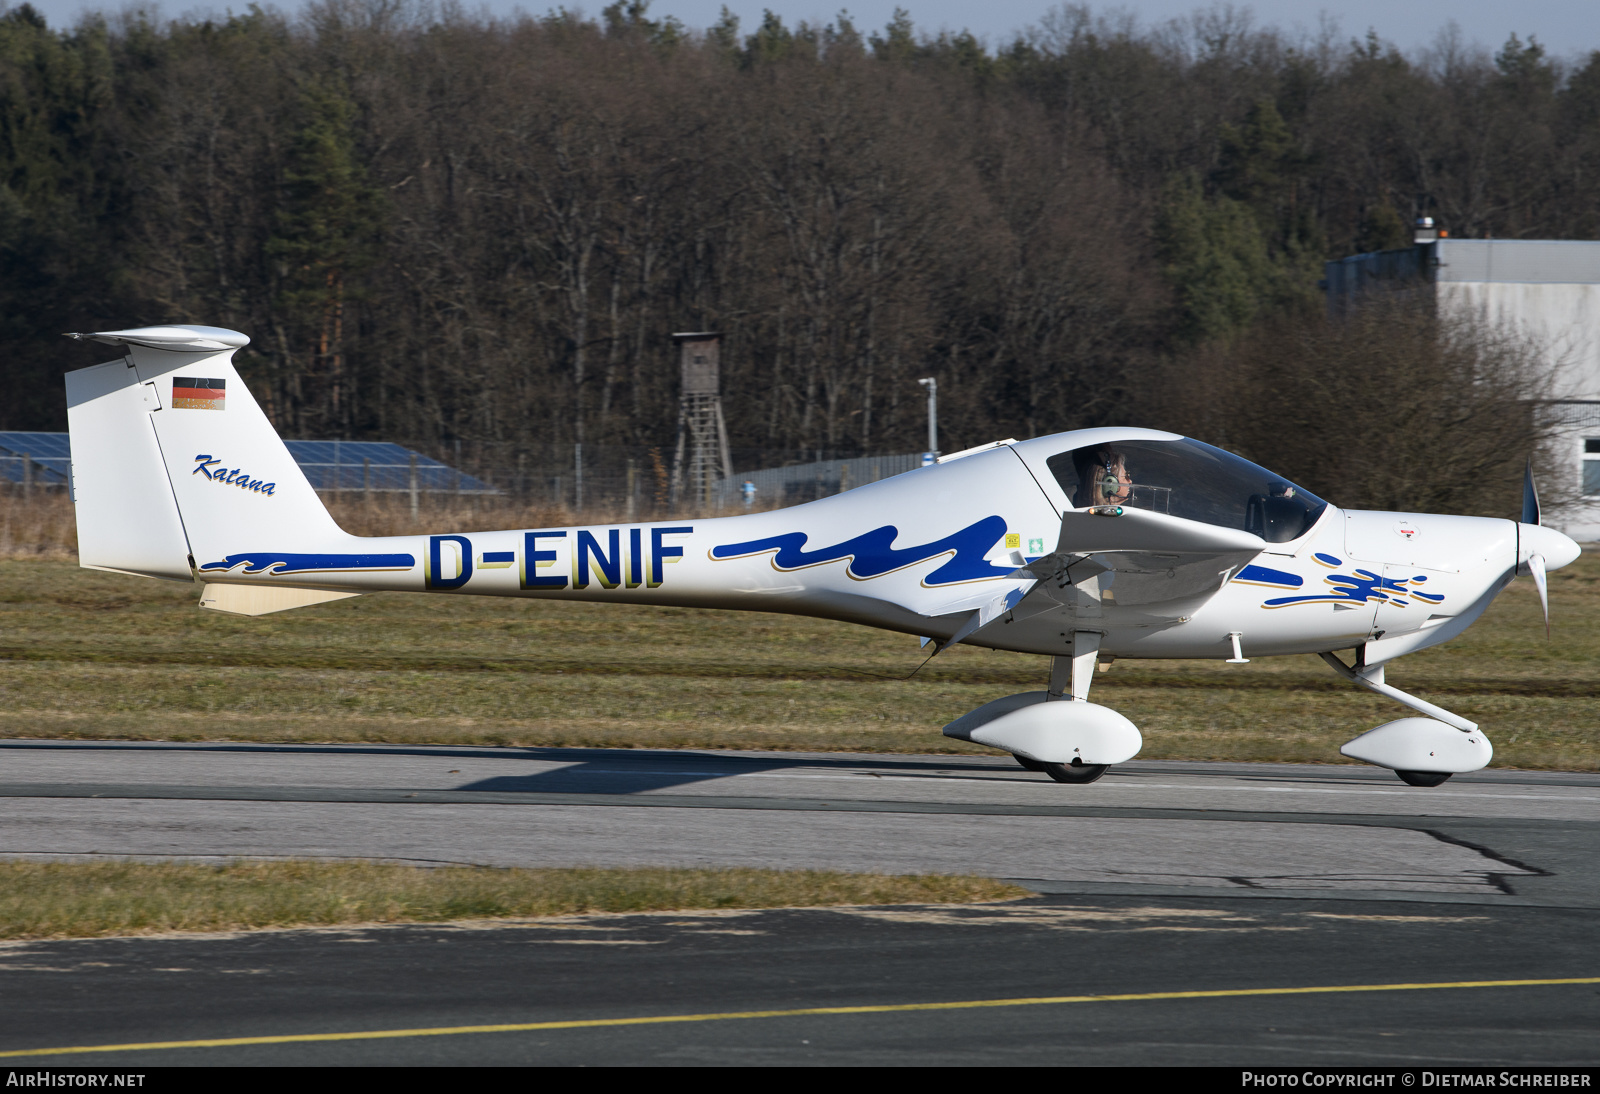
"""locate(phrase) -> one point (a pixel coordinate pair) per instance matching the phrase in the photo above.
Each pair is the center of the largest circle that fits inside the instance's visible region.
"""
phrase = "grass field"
(93, 655)
(85, 900)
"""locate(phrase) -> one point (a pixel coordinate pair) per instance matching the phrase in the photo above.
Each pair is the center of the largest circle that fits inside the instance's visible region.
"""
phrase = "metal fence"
(776, 487)
(370, 467)
(29, 460)
(633, 482)
(637, 482)
(35, 459)
(1574, 414)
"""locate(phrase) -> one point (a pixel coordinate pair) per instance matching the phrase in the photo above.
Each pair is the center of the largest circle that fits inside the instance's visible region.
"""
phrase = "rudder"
(127, 517)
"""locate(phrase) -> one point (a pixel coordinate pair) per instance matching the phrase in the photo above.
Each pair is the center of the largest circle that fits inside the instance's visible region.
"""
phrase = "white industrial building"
(1547, 288)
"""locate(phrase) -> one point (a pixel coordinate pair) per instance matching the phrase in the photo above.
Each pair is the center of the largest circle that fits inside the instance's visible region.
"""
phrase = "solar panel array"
(45, 459)
(41, 458)
(379, 466)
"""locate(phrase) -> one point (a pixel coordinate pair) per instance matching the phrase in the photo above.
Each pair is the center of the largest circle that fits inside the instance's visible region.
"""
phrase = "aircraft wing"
(1138, 569)
(1085, 531)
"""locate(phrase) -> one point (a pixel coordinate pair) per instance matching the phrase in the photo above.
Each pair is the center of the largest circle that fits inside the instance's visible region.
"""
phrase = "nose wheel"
(1423, 778)
(1075, 772)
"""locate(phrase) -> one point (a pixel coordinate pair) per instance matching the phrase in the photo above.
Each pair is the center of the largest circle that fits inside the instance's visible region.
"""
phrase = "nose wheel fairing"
(1421, 746)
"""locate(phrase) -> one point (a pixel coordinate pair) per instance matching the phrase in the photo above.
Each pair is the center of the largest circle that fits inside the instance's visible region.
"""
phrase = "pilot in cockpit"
(1103, 477)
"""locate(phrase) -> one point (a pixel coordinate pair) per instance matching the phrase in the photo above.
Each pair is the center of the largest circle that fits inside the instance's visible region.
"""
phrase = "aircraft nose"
(1533, 539)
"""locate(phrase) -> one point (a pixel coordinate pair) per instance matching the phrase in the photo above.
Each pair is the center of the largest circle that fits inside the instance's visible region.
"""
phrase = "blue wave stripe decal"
(1266, 575)
(873, 553)
(1362, 587)
(278, 562)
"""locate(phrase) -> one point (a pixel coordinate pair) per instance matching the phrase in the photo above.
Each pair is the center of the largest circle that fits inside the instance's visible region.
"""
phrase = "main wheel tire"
(1075, 772)
(1031, 765)
(1423, 778)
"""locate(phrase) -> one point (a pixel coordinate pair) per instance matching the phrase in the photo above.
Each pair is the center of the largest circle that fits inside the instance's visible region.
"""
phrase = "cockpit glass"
(1187, 479)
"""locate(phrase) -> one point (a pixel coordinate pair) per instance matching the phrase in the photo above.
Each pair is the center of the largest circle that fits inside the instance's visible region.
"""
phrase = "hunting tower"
(701, 428)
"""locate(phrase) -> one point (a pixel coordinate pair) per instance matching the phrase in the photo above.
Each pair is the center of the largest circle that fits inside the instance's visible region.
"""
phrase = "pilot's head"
(1103, 477)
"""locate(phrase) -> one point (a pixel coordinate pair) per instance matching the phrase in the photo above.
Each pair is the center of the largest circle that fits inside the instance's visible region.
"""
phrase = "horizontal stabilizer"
(263, 599)
(184, 339)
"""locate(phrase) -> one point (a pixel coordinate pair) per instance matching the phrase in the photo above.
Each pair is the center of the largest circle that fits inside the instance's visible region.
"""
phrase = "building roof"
(1526, 261)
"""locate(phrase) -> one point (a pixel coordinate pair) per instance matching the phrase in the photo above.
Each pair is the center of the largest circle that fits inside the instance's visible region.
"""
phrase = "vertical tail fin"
(174, 463)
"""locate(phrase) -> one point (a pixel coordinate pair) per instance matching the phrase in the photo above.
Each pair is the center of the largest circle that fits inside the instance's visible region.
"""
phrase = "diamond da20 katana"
(1082, 547)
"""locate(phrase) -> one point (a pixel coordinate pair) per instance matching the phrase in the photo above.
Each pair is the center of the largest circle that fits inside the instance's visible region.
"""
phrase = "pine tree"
(326, 236)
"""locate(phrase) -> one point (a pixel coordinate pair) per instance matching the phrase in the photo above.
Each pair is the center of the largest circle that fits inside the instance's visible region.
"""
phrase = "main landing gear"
(1069, 681)
(1058, 733)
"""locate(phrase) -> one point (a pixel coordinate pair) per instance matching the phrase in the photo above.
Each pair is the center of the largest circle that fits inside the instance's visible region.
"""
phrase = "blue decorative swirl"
(277, 562)
(1266, 575)
(873, 554)
(1362, 587)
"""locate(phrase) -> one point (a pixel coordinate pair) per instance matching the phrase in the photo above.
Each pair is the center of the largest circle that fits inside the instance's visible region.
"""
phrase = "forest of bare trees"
(477, 236)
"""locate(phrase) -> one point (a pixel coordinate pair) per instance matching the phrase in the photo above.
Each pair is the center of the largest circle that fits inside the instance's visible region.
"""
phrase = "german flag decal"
(189, 393)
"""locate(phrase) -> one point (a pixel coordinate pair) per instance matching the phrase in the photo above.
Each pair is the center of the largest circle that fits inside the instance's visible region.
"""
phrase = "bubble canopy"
(1186, 478)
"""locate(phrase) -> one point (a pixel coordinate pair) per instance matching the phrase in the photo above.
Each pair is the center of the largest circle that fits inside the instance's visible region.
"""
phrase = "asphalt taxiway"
(1160, 878)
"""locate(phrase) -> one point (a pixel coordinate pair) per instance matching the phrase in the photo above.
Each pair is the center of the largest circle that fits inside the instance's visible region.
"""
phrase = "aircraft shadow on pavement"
(584, 770)
(630, 771)
(606, 771)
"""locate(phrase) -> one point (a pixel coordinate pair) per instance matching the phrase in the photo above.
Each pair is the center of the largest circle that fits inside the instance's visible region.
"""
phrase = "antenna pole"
(932, 385)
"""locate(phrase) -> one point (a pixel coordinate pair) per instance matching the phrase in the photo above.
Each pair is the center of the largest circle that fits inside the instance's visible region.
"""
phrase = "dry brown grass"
(37, 524)
(95, 655)
(85, 900)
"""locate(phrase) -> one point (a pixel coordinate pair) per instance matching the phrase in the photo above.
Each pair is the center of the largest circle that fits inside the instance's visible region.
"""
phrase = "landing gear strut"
(1410, 746)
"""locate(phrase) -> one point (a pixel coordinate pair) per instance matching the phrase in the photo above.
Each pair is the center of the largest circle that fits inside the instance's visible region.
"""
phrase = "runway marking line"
(885, 1008)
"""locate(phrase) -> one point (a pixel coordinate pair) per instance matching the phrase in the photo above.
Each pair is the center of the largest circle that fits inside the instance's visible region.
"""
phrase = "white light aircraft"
(1083, 546)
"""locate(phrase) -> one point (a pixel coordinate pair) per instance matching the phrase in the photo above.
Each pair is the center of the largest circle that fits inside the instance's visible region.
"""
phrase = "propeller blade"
(1536, 568)
(1530, 498)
